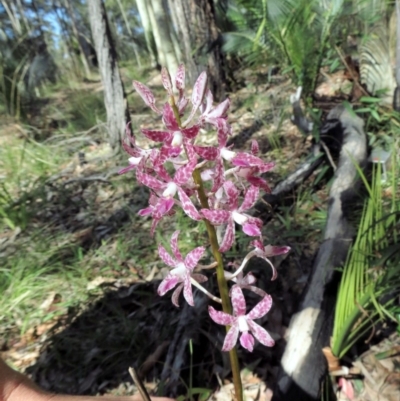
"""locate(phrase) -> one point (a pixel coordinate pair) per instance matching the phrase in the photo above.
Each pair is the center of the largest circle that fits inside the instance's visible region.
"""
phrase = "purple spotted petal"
(175, 295)
(187, 291)
(216, 216)
(238, 301)
(248, 279)
(259, 182)
(126, 169)
(180, 78)
(187, 205)
(166, 257)
(257, 244)
(161, 170)
(167, 284)
(182, 104)
(147, 95)
(250, 198)
(191, 133)
(197, 94)
(221, 317)
(207, 152)
(200, 278)
(220, 110)
(231, 337)
(233, 194)
(157, 136)
(174, 246)
(209, 102)
(261, 334)
(246, 160)
(265, 167)
(199, 89)
(169, 118)
(167, 152)
(229, 237)
(256, 290)
(223, 132)
(166, 81)
(247, 341)
(185, 172)
(154, 224)
(193, 257)
(261, 309)
(148, 180)
(251, 229)
(218, 175)
(163, 207)
(254, 147)
(147, 211)
(270, 250)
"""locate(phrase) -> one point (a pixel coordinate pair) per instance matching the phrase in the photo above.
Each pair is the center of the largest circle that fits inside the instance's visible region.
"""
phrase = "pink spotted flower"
(166, 188)
(242, 323)
(250, 225)
(248, 167)
(181, 276)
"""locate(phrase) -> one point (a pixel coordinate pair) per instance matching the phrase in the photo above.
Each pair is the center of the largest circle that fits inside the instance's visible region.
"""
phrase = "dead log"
(286, 186)
(303, 365)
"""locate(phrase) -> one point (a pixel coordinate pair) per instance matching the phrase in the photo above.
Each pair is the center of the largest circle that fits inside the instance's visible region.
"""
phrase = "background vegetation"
(68, 223)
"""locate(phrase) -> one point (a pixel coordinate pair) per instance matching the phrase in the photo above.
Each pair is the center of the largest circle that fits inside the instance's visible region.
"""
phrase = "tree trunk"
(174, 30)
(114, 95)
(148, 33)
(163, 37)
(129, 30)
(84, 56)
(202, 42)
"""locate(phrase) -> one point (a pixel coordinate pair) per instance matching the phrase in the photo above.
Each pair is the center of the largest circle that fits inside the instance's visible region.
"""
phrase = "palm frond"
(371, 276)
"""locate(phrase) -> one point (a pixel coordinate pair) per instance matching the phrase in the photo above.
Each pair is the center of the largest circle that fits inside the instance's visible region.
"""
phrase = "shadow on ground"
(89, 352)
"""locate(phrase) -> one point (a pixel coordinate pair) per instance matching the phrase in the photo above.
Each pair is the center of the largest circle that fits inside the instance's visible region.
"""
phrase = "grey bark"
(174, 30)
(114, 94)
(202, 42)
(303, 365)
(162, 35)
(148, 33)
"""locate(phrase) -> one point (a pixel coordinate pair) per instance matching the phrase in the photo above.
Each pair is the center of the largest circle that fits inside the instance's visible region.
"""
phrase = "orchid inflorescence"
(232, 183)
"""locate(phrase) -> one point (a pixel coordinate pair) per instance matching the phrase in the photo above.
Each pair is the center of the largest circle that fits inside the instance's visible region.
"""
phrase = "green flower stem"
(222, 284)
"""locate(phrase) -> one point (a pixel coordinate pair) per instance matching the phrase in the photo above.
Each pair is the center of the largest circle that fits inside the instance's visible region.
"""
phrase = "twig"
(139, 384)
(90, 178)
(328, 155)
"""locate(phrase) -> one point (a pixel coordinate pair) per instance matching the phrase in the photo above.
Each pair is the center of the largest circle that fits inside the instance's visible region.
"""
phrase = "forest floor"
(80, 270)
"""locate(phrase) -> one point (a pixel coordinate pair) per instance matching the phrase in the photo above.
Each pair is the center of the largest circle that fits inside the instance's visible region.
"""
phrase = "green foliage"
(371, 275)
(381, 124)
(296, 32)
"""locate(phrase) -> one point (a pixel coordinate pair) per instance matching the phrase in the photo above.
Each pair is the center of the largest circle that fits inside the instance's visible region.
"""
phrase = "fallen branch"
(303, 365)
(293, 180)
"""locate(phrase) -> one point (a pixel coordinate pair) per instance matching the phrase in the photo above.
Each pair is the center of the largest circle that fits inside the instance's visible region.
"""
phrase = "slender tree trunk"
(148, 33)
(202, 42)
(114, 95)
(23, 16)
(162, 36)
(84, 57)
(129, 30)
(173, 30)
(66, 37)
(156, 35)
(12, 17)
